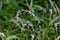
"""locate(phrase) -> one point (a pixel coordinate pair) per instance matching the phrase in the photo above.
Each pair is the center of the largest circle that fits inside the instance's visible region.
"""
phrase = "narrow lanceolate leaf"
(54, 20)
(11, 37)
(0, 4)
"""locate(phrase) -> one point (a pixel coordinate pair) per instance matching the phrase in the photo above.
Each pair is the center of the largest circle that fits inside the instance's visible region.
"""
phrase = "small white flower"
(2, 34)
(50, 11)
(31, 13)
(58, 38)
(24, 25)
(32, 36)
(39, 26)
(30, 25)
(56, 24)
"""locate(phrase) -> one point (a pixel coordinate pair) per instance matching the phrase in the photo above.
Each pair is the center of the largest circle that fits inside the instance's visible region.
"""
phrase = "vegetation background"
(29, 19)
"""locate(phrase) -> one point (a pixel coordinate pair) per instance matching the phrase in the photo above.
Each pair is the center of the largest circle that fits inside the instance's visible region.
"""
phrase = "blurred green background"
(29, 19)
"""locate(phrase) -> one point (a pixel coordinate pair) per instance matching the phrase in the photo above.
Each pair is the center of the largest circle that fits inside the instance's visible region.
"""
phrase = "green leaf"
(1, 4)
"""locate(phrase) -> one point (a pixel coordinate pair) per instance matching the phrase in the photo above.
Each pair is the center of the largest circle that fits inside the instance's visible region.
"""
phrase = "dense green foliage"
(30, 19)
